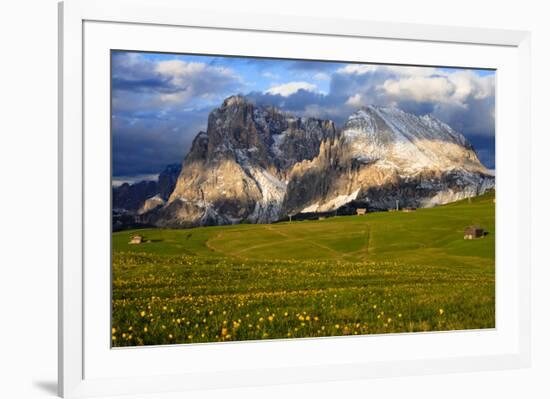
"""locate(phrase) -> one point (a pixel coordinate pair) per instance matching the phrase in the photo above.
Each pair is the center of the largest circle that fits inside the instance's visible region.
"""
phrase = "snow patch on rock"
(332, 204)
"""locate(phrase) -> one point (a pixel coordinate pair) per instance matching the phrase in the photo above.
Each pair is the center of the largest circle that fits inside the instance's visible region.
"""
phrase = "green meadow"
(385, 272)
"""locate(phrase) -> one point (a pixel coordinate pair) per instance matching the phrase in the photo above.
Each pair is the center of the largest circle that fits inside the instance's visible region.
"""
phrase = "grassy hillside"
(381, 272)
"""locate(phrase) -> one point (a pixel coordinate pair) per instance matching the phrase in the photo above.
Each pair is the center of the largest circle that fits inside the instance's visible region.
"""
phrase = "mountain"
(236, 171)
(384, 155)
(167, 180)
(140, 197)
(128, 198)
(258, 164)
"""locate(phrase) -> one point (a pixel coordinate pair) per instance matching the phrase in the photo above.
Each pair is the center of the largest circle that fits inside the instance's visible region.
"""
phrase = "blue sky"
(161, 101)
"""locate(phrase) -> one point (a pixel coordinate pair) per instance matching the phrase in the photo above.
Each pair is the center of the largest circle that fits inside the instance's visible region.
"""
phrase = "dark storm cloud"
(144, 145)
(485, 148)
(144, 85)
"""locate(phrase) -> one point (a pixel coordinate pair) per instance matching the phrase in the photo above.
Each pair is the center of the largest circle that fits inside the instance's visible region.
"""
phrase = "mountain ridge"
(258, 164)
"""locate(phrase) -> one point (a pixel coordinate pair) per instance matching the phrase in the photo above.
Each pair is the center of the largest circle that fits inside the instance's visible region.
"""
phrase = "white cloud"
(355, 100)
(357, 69)
(422, 89)
(270, 75)
(321, 76)
(470, 84)
(178, 69)
(390, 83)
(144, 83)
(175, 97)
(120, 180)
(287, 89)
(450, 88)
(193, 79)
(361, 69)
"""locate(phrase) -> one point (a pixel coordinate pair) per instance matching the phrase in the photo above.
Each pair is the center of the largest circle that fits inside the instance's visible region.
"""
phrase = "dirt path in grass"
(287, 239)
(365, 250)
(240, 251)
(290, 238)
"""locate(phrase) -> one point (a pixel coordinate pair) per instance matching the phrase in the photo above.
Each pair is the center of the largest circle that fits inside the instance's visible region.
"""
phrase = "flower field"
(378, 273)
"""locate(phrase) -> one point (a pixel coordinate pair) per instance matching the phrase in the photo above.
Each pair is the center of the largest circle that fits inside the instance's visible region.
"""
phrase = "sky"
(161, 101)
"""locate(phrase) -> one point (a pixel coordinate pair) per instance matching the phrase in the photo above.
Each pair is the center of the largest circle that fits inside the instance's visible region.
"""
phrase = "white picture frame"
(77, 361)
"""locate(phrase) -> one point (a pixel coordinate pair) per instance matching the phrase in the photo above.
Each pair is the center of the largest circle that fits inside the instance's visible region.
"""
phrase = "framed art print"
(311, 206)
(264, 200)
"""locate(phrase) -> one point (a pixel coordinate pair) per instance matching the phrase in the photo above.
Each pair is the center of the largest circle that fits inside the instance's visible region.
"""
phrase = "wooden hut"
(473, 232)
(361, 211)
(137, 239)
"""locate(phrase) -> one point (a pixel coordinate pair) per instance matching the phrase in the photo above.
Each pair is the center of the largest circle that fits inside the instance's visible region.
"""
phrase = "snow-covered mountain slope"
(383, 155)
(259, 164)
(408, 142)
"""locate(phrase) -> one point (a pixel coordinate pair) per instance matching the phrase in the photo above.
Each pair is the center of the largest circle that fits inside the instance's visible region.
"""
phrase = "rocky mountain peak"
(139, 197)
(258, 164)
(236, 100)
(406, 141)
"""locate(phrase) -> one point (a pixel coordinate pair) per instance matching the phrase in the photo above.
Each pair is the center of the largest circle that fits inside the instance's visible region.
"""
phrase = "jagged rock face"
(150, 204)
(236, 170)
(408, 142)
(141, 196)
(300, 141)
(167, 180)
(383, 155)
(259, 164)
(130, 197)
